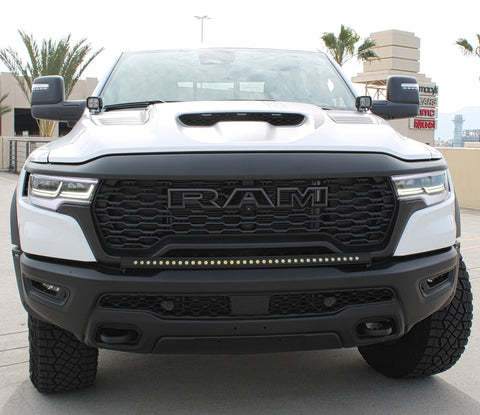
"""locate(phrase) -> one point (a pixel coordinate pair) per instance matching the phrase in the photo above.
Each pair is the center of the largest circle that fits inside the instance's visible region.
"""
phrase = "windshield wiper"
(126, 105)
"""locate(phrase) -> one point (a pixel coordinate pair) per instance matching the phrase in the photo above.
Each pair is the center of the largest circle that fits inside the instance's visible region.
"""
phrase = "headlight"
(51, 191)
(431, 187)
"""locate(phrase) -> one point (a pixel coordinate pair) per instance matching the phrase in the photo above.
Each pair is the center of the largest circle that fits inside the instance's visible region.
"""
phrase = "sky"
(153, 24)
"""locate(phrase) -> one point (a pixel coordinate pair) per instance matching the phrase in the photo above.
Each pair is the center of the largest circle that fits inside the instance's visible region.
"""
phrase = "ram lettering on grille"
(241, 197)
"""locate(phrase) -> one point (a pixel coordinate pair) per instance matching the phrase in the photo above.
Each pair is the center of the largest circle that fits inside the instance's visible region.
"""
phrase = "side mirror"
(403, 100)
(48, 100)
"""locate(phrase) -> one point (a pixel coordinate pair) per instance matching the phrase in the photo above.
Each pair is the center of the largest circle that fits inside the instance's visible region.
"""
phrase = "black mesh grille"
(325, 302)
(169, 305)
(133, 217)
(209, 119)
(219, 306)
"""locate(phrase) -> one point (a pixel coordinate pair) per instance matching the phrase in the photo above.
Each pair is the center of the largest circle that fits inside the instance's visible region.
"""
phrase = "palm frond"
(348, 38)
(465, 46)
(365, 51)
(4, 108)
(342, 48)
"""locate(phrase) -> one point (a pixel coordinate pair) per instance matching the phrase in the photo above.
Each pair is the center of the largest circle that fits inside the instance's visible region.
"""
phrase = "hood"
(229, 126)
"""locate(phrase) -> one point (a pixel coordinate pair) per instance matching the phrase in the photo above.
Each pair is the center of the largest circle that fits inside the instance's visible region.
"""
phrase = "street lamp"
(201, 18)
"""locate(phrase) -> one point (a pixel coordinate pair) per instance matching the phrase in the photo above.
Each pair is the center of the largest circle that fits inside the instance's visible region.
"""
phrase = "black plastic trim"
(14, 234)
(458, 220)
(83, 215)
(81, 316)
(189, 166)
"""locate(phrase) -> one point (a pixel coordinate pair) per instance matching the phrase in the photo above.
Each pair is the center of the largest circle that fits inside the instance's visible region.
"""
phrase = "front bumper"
(250, 328)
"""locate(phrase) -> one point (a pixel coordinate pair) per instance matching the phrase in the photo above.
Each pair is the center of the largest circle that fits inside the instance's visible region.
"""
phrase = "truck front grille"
(223, 306)
(134, 217)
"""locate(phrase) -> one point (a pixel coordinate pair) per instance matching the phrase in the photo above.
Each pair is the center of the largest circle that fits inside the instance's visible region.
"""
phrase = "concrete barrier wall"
(464, 165)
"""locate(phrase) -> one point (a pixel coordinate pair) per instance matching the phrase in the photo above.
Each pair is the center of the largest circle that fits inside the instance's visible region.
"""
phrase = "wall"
(464, 165)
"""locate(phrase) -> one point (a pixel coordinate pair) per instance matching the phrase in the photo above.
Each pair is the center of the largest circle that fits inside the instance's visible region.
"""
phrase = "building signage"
(427, 113)
(426, 118)
(428, 101)
(430, 90)
(423, 124)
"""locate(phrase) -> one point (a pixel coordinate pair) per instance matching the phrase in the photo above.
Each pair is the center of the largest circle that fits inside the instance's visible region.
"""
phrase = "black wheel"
(58, 361)
(433, 345)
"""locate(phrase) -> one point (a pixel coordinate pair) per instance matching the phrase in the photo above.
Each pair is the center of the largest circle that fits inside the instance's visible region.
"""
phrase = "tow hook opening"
(375, 328)
(117, 336)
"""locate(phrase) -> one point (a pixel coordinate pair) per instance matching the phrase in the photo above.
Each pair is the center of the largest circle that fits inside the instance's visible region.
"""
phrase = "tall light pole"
(201, 18)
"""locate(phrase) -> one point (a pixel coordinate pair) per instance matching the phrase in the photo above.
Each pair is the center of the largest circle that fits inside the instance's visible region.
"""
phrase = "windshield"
(227, 74)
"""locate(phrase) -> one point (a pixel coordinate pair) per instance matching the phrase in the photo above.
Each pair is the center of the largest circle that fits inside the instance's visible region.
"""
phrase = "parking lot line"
(465, 248)
(8, 180)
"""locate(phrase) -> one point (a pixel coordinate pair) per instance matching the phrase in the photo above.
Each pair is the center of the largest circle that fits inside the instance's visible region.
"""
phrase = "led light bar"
(245, 262)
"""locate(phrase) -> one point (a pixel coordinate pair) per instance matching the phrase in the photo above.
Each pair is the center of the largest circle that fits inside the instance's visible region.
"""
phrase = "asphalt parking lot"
(324, 382)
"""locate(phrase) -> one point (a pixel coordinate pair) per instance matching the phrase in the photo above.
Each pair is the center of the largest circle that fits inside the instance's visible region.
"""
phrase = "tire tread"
(434, 344)
(58, 361)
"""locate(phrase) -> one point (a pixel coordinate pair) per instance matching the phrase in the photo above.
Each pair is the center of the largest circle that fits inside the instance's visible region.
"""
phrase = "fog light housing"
(48, 291)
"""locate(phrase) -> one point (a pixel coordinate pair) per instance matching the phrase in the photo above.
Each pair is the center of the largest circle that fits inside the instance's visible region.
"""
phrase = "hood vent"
(351, 119)
(211, 118)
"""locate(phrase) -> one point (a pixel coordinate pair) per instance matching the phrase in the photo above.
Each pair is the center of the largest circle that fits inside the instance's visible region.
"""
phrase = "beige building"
(399, 54)
(19, 121)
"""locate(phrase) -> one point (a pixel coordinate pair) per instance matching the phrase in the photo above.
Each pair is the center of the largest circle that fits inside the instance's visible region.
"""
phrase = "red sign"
(427, 112)
(424, 124)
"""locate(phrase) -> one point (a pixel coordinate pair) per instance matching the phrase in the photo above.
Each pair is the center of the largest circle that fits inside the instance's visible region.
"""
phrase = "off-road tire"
(58, 361)
(433, 345)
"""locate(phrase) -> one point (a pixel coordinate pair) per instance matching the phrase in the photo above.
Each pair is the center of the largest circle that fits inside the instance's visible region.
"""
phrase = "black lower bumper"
(71, 296)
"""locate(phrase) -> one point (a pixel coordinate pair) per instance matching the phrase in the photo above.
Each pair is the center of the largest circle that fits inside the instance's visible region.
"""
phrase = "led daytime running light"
(51, 191)
(46, 193)
(76, 195)
(431, 187)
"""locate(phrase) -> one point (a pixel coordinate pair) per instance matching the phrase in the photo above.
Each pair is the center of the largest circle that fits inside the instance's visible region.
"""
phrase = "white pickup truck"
(236, 201)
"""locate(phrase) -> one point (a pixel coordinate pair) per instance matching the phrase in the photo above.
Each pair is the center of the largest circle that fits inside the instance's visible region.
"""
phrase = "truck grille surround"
(134, 217)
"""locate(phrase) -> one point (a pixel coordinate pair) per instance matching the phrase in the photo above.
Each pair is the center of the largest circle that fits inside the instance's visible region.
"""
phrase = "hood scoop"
(209, 119)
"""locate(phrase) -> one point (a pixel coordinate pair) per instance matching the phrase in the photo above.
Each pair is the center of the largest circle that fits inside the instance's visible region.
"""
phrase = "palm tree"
(4, 108)
(54, 57)
(467, 48)
(342, 48)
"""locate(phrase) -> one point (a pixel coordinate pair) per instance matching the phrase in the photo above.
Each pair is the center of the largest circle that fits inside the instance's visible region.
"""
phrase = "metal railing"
(18, 151)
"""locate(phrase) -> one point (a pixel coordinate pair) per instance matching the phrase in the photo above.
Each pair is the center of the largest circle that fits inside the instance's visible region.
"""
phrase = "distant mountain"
(471, 115)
